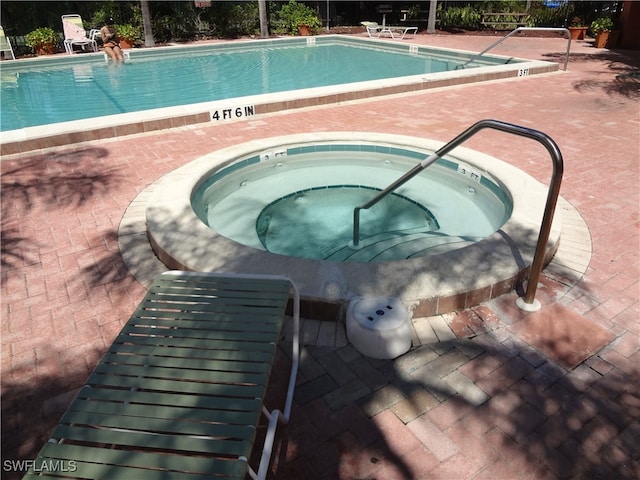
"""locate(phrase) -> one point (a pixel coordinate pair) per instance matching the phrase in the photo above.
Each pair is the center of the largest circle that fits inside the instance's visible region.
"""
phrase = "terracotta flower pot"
(578, 33)
(614, 38)
(125, 44)
(601, 39)
(45, 49)
(304, 30)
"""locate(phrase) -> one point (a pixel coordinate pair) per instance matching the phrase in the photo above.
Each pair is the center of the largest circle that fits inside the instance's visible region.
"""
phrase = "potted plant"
(128, 35)
(298, 19)
(43, 40)
(600, 28)
(577, 29)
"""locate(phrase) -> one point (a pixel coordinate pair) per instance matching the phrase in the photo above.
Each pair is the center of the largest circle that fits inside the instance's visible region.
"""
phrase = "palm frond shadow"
(534, 413)
(59, 180)
(623, 64)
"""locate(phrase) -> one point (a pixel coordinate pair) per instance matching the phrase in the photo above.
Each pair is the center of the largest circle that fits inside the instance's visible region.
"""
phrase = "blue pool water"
(45, 92)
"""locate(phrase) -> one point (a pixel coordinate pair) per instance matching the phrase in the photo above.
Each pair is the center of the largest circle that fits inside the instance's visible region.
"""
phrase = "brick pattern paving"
(470, 405)
(478, 398)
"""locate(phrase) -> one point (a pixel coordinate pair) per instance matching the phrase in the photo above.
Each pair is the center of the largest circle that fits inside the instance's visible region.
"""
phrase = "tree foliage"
(170, 20)
(181, 20)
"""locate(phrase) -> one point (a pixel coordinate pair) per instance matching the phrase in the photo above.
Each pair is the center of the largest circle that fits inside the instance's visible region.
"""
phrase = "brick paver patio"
(488, 392)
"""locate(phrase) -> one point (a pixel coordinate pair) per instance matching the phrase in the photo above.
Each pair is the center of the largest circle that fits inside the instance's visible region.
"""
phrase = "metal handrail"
(522, 29)
(552, 196)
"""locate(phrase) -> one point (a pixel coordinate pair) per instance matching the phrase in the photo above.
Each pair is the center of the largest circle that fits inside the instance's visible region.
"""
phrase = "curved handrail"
(552, 196)
(522, 29)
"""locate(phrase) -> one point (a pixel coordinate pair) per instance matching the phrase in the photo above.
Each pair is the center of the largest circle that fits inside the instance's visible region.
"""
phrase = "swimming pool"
(173, 86)
(58, 93)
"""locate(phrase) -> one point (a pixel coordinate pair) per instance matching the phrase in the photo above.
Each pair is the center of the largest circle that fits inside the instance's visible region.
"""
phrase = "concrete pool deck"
(488, 392)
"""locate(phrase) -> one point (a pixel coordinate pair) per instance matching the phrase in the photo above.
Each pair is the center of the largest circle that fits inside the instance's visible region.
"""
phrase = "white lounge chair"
(75, 34)
(5, 44)
(376, 30)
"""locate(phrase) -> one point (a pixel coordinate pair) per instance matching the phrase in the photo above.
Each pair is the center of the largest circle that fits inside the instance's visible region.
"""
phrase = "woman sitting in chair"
(111, 42)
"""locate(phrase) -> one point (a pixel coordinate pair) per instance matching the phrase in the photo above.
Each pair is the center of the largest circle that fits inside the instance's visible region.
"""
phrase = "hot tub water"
(301, 204)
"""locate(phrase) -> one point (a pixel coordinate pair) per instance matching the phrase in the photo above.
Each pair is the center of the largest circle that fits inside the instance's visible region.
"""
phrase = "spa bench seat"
(179, 393)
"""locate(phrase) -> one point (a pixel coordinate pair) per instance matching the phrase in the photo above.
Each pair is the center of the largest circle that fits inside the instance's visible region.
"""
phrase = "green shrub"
(599, 25)
(542, 16)
(41, 36)
(466, 18)
(128, 32)
(243, 19)
(294, 14)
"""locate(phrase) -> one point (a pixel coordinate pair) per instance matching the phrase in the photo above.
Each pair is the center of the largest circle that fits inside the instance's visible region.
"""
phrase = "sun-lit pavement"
(489, 393)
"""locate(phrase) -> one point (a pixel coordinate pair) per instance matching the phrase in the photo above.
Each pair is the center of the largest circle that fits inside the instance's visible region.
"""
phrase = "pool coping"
(499, 263)
(79, 131)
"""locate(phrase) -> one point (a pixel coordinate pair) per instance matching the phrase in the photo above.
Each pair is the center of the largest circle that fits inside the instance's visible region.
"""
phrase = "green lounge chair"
(179, 393)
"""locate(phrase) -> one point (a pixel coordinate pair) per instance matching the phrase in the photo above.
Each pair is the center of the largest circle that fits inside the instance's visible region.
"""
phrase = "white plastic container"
(379, 327)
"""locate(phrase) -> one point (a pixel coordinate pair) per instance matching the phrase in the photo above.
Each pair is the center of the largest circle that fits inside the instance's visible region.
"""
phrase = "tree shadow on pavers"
(626, 84)
(53, 180)
(33, 403)
(109, 268)
(15, 248)
(330, 435)
(623, 73)
(490, 401)
(538, 416)
(577, 423)
(617, 58)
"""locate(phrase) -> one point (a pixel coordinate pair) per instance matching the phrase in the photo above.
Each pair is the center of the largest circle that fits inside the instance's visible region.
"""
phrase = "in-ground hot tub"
(202, 218)
(300, 201)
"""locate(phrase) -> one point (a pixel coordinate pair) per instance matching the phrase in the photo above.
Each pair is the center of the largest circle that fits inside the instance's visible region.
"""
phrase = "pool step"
(389, 246)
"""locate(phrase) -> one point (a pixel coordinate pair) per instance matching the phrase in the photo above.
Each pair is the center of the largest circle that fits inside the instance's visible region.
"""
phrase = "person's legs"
(114, 52)
(109, 51)
(117, 51)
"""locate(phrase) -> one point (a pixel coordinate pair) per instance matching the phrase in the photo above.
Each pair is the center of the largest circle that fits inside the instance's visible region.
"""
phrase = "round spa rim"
(428, 285)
